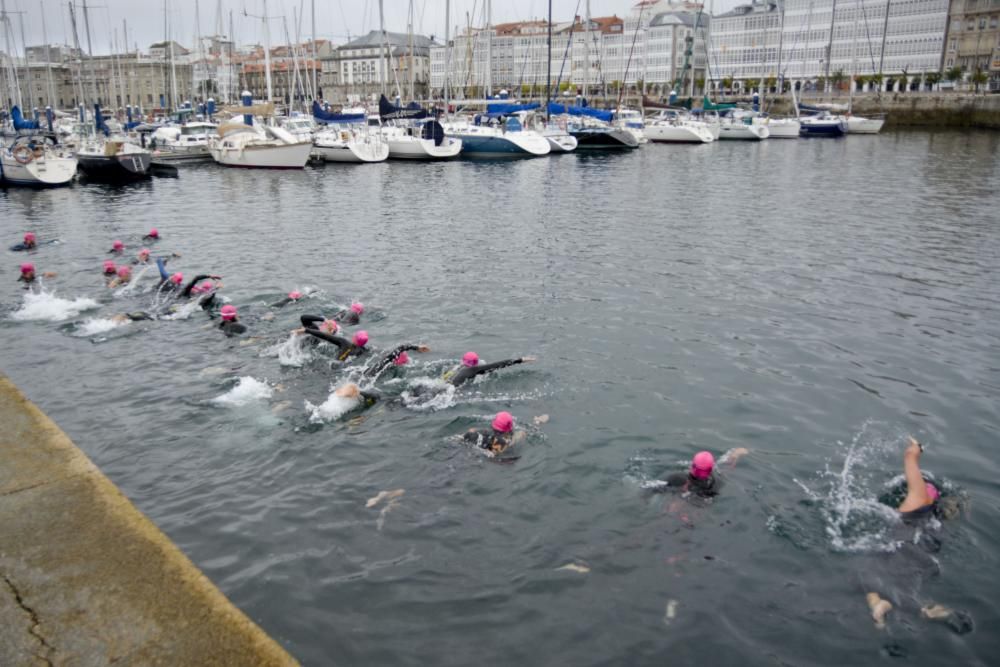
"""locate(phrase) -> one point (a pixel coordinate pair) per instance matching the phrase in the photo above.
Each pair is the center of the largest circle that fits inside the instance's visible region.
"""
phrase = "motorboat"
(187, 142)
(674, 126)
(350, 142)
(258, 146)
(113, 160)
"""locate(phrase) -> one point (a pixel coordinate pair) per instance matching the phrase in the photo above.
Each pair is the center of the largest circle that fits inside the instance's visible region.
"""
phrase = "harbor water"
(814, 301)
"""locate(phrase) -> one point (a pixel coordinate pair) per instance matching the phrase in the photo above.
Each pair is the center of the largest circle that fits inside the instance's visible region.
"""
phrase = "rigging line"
(628, 64)
(569, 41)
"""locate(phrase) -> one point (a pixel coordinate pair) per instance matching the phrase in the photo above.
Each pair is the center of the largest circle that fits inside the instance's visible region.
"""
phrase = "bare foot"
(541, 419)
(879, 608)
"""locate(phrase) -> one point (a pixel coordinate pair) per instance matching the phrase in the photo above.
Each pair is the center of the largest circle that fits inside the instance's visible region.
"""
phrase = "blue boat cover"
(580, 111)
(19, 122)
(389, 111)
(503, 109)
(99, 121)
(322, 116)
(433, 130)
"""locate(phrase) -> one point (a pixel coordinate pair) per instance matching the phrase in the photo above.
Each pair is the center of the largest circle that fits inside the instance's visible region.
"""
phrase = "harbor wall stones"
(918, 109)
(86, 579)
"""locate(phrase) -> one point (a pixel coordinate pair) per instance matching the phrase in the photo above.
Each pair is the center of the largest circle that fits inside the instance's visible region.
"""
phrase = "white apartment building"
(828, 38)
(649, 46)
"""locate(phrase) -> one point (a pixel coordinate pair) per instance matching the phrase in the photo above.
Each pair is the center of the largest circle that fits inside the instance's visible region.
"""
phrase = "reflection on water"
(814, 301)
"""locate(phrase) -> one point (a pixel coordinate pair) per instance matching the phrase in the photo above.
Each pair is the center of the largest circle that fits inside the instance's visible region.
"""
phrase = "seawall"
(917, 109)
(87, 579)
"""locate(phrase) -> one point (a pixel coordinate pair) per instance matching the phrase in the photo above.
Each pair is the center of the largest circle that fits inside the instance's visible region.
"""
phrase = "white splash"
(184, 310)
(47, 306)
(296, 350)
(855, 520)
(133, 283)
(332, 408)
(97, 325)
(431, 394)
(247, 390)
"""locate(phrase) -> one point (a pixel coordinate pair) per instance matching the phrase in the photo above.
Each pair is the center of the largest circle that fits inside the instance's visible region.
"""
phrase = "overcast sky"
(335, 19)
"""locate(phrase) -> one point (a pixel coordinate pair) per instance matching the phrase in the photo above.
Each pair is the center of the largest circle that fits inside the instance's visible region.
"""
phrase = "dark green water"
(814, 301)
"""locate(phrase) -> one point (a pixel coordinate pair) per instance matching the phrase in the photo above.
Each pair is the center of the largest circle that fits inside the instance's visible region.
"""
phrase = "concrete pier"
(86, 579)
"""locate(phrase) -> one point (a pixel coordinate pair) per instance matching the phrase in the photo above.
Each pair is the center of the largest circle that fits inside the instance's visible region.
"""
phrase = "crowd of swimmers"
(701, 479)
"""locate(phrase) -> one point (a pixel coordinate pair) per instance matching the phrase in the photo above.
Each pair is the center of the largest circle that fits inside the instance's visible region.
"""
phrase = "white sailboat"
(743, 125)
(675, 127)
(350, 142)
(33, 161)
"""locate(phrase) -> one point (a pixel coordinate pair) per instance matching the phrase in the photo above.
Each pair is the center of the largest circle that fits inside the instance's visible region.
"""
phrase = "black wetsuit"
(346, 348)
(347, 317)
(284, 302)
(147, 237)
(23, 246)
(310, 321)
(388, 359)
(687, 482)
(489, 440)
(139, 316)
(232, 327)
(466, 373)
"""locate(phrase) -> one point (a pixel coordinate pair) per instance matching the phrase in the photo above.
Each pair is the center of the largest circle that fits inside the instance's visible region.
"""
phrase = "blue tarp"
(389, 111)
(502, 108)
(580, 111)
(322, 116)
(19, 122)
(99, 121)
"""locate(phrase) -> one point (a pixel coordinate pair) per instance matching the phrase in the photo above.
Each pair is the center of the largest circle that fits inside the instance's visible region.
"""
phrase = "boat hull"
(678, 134)
(858, 125)
(823, 128)
(506, 145)
(125, 168)
(784, 128)
(49, 172)
(286, 156)
(561, 143)
(353, 152)
(413, 148)
(591, 139)
(743, 132)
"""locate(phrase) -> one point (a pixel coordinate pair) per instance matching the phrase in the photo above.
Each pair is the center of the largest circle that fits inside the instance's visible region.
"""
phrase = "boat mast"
(829, 48)
(198, 53)
(548, 67)
(48, 60)
(854, 63)
(173, 68)
(780, 77)
(90, 54)
(586, 50)
(315, 62)
(881, 55)
(382, 58)
(447, 51)
(8, 38)
(76, 45)
(232, 65)
(267, 53)
(27, 67)
(412, 80)
(489, 49)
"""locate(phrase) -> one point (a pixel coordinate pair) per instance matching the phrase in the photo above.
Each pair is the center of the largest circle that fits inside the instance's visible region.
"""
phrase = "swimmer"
(230, 323)
(292, 297)
(921, 496)
(356, 347)
(501, 434)
(351, 315)
(174, 281)
(471, 368)
(153, 235)
(29, 243)
(700, 479)
(109, 268)
(137, 316)
(142, 257)
(395, 357)
(365, 397)
(122, 276)
(28, 274)
(117, 247)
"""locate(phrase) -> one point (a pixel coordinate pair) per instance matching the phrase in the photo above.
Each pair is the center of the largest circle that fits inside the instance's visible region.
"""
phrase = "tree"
(771, 83)
(954, 74)
(902, 80)
(837, 79)
(876, 80)
(752, 84)
(821, 83)
(979, 78)
(860, 81)
(727, 83)
(699, 83)
(932, 79)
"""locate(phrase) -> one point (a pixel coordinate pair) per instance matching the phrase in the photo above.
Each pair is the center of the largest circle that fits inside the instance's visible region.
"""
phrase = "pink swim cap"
(702, 465)
(124, 271)
(358, 307)
(932, 492)
(144, 252)
(27, 267)
(177, 278)
(329, 326)
(29, 237)
(402, 359)
(361, 338)
(228, 312)
(153, 233)
(503, 422)
(470, 359)
(117, 245)
(295, 295)
(109, 266)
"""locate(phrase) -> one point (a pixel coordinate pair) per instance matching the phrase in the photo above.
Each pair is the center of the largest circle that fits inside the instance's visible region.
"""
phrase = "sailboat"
(412, 135)
(34, 159)
(112, 159)
(346, 138)
(592, 128)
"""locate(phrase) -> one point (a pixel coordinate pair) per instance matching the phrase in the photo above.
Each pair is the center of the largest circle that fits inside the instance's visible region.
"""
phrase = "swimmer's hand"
(49, 274)
(913, 450)
(528, 360)
(216, 277)
(541, 419)
(423, 348)
(299, 331)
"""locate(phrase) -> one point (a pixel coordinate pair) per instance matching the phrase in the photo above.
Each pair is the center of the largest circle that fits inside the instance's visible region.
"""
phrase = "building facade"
(658, 46)
(360, 67)
(973, 41)
(828, 41)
